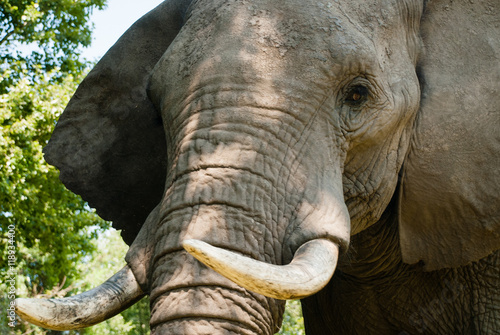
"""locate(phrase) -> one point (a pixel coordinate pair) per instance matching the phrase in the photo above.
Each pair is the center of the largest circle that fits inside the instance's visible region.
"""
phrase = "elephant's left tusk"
(86, 309)
(309, 271)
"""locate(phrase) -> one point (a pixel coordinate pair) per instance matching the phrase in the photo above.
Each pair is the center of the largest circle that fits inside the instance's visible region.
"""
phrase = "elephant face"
(273, 129)
(323, 91)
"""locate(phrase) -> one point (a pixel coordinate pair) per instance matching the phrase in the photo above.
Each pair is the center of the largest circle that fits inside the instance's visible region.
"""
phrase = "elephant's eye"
(356, 95)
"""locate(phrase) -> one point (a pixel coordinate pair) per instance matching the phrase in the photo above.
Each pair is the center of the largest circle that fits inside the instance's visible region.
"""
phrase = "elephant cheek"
(322, 213)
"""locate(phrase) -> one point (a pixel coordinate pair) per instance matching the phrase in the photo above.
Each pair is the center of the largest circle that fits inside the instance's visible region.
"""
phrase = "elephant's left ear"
(450, 190)
(109, 143)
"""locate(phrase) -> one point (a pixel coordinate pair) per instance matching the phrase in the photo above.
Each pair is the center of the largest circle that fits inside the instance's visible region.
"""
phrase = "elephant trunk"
(189, 298)
(240, 183)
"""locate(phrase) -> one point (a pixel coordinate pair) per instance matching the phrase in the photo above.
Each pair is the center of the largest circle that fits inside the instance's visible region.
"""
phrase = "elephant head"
(258, 136)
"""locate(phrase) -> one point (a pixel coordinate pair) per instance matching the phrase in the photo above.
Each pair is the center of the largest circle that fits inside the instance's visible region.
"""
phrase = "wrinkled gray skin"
(278, 118)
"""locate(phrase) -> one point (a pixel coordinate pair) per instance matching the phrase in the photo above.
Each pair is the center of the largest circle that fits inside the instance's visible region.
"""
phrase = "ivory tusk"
(86, 309)
(309, 271)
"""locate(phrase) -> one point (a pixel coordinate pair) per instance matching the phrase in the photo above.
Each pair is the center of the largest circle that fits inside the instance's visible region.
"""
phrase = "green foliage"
(43, 35)
(293, 321)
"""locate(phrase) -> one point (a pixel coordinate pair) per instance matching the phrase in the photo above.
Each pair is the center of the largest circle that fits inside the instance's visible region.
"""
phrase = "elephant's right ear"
(109, 143)
(450, 191)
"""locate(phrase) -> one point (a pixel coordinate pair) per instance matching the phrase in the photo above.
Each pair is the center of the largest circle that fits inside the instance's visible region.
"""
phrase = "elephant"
(345, 153)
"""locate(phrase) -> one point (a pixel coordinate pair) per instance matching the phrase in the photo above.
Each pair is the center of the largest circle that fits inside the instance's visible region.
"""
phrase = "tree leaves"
(293, 321)
(43, 35)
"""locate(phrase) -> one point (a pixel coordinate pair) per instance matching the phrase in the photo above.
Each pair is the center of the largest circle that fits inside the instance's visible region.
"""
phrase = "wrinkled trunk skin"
(231, 190)
(253, 168)
(219, 196)
(187, 297)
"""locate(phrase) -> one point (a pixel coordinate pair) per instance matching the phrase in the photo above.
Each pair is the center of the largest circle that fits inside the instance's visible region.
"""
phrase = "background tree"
(43, 35)
(293, 321)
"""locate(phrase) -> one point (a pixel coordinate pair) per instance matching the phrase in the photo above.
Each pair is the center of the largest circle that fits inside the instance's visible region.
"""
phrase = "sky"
(111, 23)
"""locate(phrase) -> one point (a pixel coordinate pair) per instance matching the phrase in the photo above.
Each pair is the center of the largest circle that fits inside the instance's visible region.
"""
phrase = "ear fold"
(450, 190)
(109, 143)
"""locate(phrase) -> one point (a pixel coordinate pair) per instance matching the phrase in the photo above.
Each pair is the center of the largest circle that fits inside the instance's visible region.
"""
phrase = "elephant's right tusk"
(309, 271)
(86, 309)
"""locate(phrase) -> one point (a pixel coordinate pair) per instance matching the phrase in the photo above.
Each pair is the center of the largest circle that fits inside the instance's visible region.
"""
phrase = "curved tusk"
(86, 309)
(309, 271)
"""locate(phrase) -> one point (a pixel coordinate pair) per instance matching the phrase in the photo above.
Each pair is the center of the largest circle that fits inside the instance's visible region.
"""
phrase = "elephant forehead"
(263, 41)
(283, 26)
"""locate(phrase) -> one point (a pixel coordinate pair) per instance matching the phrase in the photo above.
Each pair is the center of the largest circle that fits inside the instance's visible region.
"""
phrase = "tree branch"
(4, 39)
